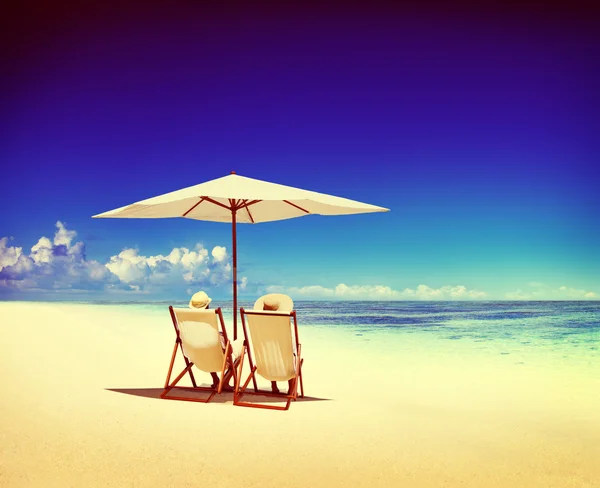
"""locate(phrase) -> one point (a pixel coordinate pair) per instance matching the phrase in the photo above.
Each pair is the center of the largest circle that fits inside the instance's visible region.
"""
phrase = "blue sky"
(479, 132)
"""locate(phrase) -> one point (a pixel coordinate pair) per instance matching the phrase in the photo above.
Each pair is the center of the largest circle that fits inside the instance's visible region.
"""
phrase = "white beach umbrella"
(238, 199)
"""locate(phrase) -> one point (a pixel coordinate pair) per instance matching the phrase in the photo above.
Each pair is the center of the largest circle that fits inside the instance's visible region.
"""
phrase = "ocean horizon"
(507, 327)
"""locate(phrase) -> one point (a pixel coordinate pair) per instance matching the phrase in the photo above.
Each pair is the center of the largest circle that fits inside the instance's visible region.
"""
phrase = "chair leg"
(165, 394)
(225, 361)
(250, 377)
(187, 363)
(171, 365)
(254, 381)
(300, 376)
(231, 372)
(191, 373)
(168, 387)
(238, 400)
(240, 391)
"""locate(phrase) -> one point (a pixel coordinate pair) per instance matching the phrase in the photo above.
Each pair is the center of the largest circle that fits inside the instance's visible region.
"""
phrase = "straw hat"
(274, 301)
(200, 300)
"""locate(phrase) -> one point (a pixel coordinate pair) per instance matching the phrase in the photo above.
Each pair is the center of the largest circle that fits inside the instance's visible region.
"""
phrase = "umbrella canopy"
(238, 199)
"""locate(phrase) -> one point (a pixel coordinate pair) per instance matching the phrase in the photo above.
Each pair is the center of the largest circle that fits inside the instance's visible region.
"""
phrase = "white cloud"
(128, 266)
(447, 292)
(537, 284)
(42, 251)
(60, 264)
(179, 266)
(63, 236)
(545, 292)
(193, 259)
(51, 264)
(219, 254)
(8, 255)
(381, 292)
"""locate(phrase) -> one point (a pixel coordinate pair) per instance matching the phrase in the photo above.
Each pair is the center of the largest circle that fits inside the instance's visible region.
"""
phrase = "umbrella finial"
(233, 172)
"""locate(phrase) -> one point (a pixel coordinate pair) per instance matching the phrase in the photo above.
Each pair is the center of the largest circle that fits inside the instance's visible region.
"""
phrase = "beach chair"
(274, 352)
(198, 338)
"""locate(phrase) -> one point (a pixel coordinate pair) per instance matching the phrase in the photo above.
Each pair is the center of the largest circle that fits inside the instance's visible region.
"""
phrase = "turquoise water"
(518, 330)
(558, 326)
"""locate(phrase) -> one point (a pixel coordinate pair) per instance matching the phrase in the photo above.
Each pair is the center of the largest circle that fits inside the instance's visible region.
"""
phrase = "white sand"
(394, 416)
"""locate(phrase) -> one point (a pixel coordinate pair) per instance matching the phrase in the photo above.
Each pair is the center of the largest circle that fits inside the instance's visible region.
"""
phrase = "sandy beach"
(80, 407)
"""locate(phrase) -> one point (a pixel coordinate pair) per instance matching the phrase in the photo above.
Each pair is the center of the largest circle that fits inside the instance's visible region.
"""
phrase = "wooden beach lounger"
(274, 352)
(198, 338)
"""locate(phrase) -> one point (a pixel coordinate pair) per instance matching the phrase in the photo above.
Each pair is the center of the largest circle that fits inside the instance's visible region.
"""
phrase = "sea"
(517, 333)
(565, 329)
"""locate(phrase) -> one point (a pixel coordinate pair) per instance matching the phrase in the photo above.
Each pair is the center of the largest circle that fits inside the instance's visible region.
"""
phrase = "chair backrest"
(199, 334)
(272, 339)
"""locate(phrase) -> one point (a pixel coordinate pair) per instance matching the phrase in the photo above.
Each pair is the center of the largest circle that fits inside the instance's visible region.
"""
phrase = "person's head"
(200, 300)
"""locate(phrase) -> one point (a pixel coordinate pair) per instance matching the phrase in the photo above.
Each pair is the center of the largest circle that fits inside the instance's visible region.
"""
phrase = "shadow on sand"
(224, 397)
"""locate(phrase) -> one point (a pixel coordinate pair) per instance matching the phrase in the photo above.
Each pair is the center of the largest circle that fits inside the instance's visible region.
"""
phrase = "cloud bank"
(424, 292)
(52, 265)
(540, 291)
(60, 264)
(379, 292)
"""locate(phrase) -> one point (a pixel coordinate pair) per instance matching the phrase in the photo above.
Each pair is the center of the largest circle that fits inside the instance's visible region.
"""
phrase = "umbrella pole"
(234, 246)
